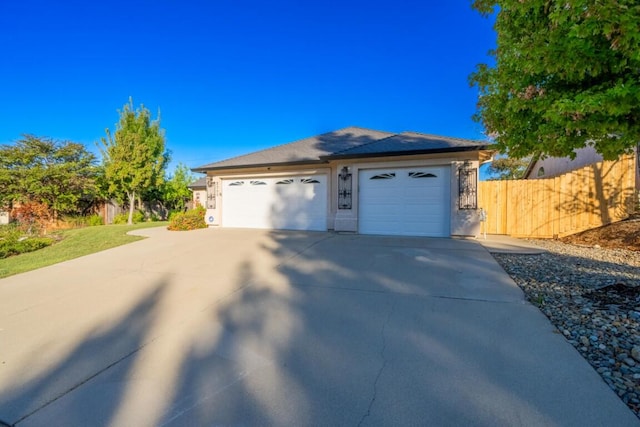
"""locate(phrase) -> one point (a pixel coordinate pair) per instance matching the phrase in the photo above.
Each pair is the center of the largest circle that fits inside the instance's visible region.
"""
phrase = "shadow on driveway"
(240, 327)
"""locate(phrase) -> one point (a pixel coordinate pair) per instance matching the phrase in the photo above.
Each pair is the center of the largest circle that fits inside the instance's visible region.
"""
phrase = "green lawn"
(74, 244)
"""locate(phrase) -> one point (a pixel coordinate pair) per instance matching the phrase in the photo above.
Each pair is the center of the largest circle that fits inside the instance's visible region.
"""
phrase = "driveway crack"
(384, 365)
(297, 254)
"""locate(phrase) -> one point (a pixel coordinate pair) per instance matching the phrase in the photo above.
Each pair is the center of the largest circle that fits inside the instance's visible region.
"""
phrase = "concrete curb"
(499, 244)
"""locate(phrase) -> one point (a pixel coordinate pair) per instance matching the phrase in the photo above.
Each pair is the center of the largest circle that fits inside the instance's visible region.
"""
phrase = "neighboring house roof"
(347, 143)
(199, 183)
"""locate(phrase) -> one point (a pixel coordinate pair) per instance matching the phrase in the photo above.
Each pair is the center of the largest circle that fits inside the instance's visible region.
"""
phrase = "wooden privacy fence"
(589, 197)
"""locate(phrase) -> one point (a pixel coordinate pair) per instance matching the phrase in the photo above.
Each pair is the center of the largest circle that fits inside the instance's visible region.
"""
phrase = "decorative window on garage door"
(384, 176)
(421, 175)
(467, 187)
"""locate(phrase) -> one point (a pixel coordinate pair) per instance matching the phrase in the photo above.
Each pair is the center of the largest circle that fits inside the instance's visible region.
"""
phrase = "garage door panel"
(294, 203)
(405, 201)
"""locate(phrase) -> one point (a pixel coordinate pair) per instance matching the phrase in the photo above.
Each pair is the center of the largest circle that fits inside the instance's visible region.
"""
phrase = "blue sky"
(233, 76)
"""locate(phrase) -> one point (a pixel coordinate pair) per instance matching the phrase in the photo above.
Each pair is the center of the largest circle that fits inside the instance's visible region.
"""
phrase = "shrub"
(10, 232)
(9, 247)
(32, 217)
(190, 220)
(138, 217)
(80, 221)
(121, 218)
(73, 221)
(94, 220)
(124, 217)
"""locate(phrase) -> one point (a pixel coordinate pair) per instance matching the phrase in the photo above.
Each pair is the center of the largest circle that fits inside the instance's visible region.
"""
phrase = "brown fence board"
(589, 197)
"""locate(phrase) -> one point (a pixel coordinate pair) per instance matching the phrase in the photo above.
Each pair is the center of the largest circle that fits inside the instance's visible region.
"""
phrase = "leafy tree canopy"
(176, 192)
(566, 75)
(507, 168)
(134, 157)
(57, 174)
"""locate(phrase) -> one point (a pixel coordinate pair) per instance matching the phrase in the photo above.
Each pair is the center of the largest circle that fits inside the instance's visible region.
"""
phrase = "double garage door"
(405, 202)
(287, 203)
(400, 201)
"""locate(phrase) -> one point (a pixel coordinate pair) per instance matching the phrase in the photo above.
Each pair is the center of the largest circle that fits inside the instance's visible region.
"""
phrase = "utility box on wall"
(209, 217)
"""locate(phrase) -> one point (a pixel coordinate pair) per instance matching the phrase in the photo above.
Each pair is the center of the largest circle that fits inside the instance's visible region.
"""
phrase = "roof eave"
(529, 169)
(205, 169)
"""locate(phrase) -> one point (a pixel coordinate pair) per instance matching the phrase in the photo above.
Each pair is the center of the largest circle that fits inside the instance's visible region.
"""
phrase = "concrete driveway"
(245, 327)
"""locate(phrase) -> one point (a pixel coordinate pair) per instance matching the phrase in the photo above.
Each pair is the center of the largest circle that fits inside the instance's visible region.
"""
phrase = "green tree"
(508, 168)
(134, 157)
(566, 75)
(57, 174)
(176, 192)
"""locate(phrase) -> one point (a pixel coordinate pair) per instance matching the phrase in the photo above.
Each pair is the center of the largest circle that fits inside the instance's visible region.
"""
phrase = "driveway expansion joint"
(519, 301)
(82, 382)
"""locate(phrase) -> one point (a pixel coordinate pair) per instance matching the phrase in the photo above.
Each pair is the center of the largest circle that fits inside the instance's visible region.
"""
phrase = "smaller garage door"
(288, 203)
(404, 202)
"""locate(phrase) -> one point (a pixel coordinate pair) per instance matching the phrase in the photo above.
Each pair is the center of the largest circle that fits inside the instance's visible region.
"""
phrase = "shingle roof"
(346, 143)
(308, 150)
(199, 183)
(411, 143)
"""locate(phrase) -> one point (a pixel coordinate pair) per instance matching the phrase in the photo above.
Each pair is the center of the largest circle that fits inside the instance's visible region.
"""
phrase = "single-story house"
(352, 180)
(198, 192)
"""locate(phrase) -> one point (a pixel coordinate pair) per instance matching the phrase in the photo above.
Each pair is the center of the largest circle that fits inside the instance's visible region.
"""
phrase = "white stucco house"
(352, 180)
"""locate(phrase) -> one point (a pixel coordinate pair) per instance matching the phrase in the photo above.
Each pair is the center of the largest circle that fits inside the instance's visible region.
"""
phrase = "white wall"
(200, 197)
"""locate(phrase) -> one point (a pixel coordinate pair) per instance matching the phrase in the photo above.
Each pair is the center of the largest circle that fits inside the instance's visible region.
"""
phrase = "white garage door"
(405, 202)
(289, 203)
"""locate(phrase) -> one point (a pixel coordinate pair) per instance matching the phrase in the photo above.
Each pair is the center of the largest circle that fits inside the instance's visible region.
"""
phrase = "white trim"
(269, 174)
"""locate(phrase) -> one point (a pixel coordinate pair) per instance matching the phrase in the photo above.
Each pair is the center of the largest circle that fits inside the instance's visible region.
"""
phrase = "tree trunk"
(132, 201)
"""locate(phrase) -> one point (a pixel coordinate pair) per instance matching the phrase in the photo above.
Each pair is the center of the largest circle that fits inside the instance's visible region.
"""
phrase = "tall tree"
(566, 75)
(507, 168)
(134, 157)
(176, 192)
(57, 174)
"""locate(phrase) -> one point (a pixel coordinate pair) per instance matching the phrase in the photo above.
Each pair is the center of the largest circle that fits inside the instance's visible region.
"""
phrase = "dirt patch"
(622, 295)
(620, 235)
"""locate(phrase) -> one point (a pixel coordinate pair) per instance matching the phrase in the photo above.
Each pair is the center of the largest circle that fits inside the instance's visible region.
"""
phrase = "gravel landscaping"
(592, 295)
